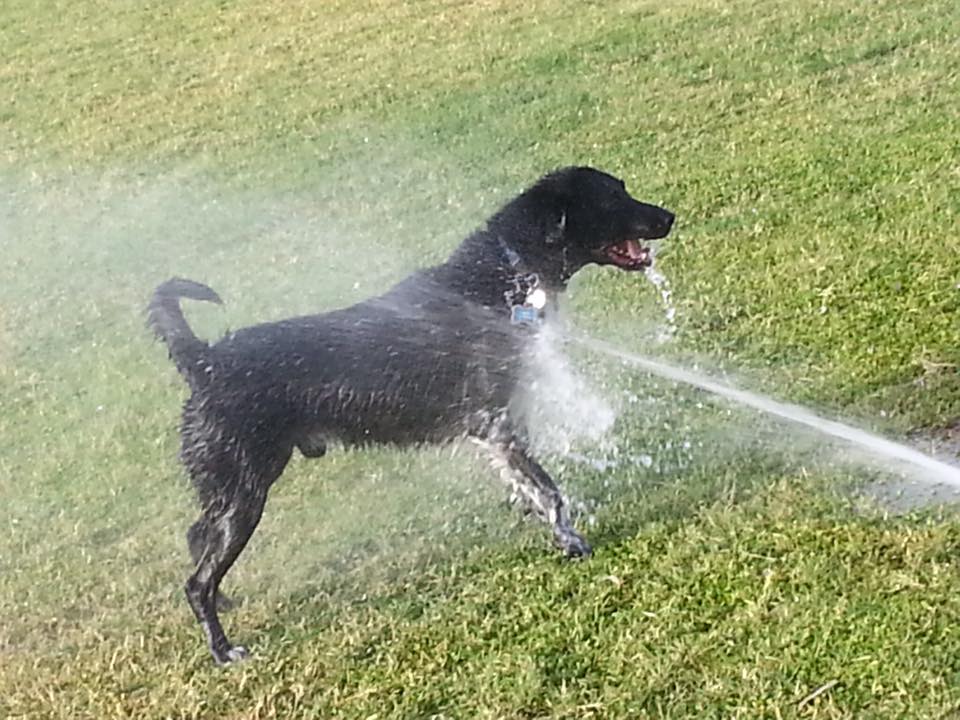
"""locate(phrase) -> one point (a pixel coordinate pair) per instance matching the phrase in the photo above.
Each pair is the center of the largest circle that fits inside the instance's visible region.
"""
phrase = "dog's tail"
(189, 353)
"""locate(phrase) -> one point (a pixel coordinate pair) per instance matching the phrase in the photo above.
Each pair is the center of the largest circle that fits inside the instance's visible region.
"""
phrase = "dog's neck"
(511, 256)
(493, 273)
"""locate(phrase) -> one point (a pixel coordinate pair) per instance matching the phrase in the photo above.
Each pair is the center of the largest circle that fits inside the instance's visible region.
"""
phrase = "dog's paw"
(232, 654)
(572, 544)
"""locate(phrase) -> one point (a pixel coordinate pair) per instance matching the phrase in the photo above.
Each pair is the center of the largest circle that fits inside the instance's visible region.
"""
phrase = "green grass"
(298, 156)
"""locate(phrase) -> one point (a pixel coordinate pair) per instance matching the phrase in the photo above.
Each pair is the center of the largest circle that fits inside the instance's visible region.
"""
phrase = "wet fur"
(434, 359)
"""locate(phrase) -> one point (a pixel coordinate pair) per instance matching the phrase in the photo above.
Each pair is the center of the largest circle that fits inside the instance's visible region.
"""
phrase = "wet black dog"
(436, 358)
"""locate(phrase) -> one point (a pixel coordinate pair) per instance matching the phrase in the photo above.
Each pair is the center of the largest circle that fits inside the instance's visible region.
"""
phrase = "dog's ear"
(552, 200)
(556, 228)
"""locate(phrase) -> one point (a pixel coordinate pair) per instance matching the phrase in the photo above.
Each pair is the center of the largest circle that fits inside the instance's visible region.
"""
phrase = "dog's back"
(420, 363)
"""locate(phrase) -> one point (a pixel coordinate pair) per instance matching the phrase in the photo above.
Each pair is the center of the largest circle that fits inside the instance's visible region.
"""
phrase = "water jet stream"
(935, 471)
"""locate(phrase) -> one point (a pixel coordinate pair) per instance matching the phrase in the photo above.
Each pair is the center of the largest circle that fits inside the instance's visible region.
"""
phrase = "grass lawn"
(302, 155)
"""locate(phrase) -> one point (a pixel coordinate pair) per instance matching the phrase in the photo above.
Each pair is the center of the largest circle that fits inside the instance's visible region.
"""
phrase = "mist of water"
(559, 406)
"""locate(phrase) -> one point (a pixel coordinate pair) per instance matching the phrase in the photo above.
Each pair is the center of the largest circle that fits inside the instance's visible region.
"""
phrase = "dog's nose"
(658, 222)
(666, 220)
(653, 221)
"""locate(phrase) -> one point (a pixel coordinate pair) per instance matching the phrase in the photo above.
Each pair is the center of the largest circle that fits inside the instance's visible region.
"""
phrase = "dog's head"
(577, 216)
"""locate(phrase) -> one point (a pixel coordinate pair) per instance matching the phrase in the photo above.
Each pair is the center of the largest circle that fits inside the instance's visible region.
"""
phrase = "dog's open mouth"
(626, 255)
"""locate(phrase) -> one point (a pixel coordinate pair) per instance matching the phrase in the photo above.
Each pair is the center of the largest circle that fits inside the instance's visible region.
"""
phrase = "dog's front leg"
(530, 482)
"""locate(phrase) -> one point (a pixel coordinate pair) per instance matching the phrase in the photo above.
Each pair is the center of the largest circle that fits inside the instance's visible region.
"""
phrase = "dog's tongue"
(626, 254)
(631, 254)
(633, 250)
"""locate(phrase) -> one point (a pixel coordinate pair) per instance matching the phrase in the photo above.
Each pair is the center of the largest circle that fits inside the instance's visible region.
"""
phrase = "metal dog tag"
(524, 315)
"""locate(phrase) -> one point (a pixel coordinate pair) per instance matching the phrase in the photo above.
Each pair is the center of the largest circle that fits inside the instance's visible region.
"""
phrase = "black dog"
(436, 358)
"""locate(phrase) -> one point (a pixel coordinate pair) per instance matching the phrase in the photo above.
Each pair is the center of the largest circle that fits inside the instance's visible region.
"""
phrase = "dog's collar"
(525, 298)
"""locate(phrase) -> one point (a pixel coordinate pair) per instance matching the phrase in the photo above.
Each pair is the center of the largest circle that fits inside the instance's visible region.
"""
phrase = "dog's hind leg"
(228, 528)
(227, 524)
(197, 542)
(534, 486)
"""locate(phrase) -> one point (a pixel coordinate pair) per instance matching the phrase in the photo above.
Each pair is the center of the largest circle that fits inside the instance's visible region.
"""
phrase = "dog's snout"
(655, 222)
(666, 219)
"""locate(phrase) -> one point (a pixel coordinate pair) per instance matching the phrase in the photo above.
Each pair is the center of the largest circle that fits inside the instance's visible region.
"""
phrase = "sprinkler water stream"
(934, 471)
(925, 468)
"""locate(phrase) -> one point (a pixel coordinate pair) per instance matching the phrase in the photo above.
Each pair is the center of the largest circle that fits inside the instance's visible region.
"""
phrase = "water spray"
(934, 471)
